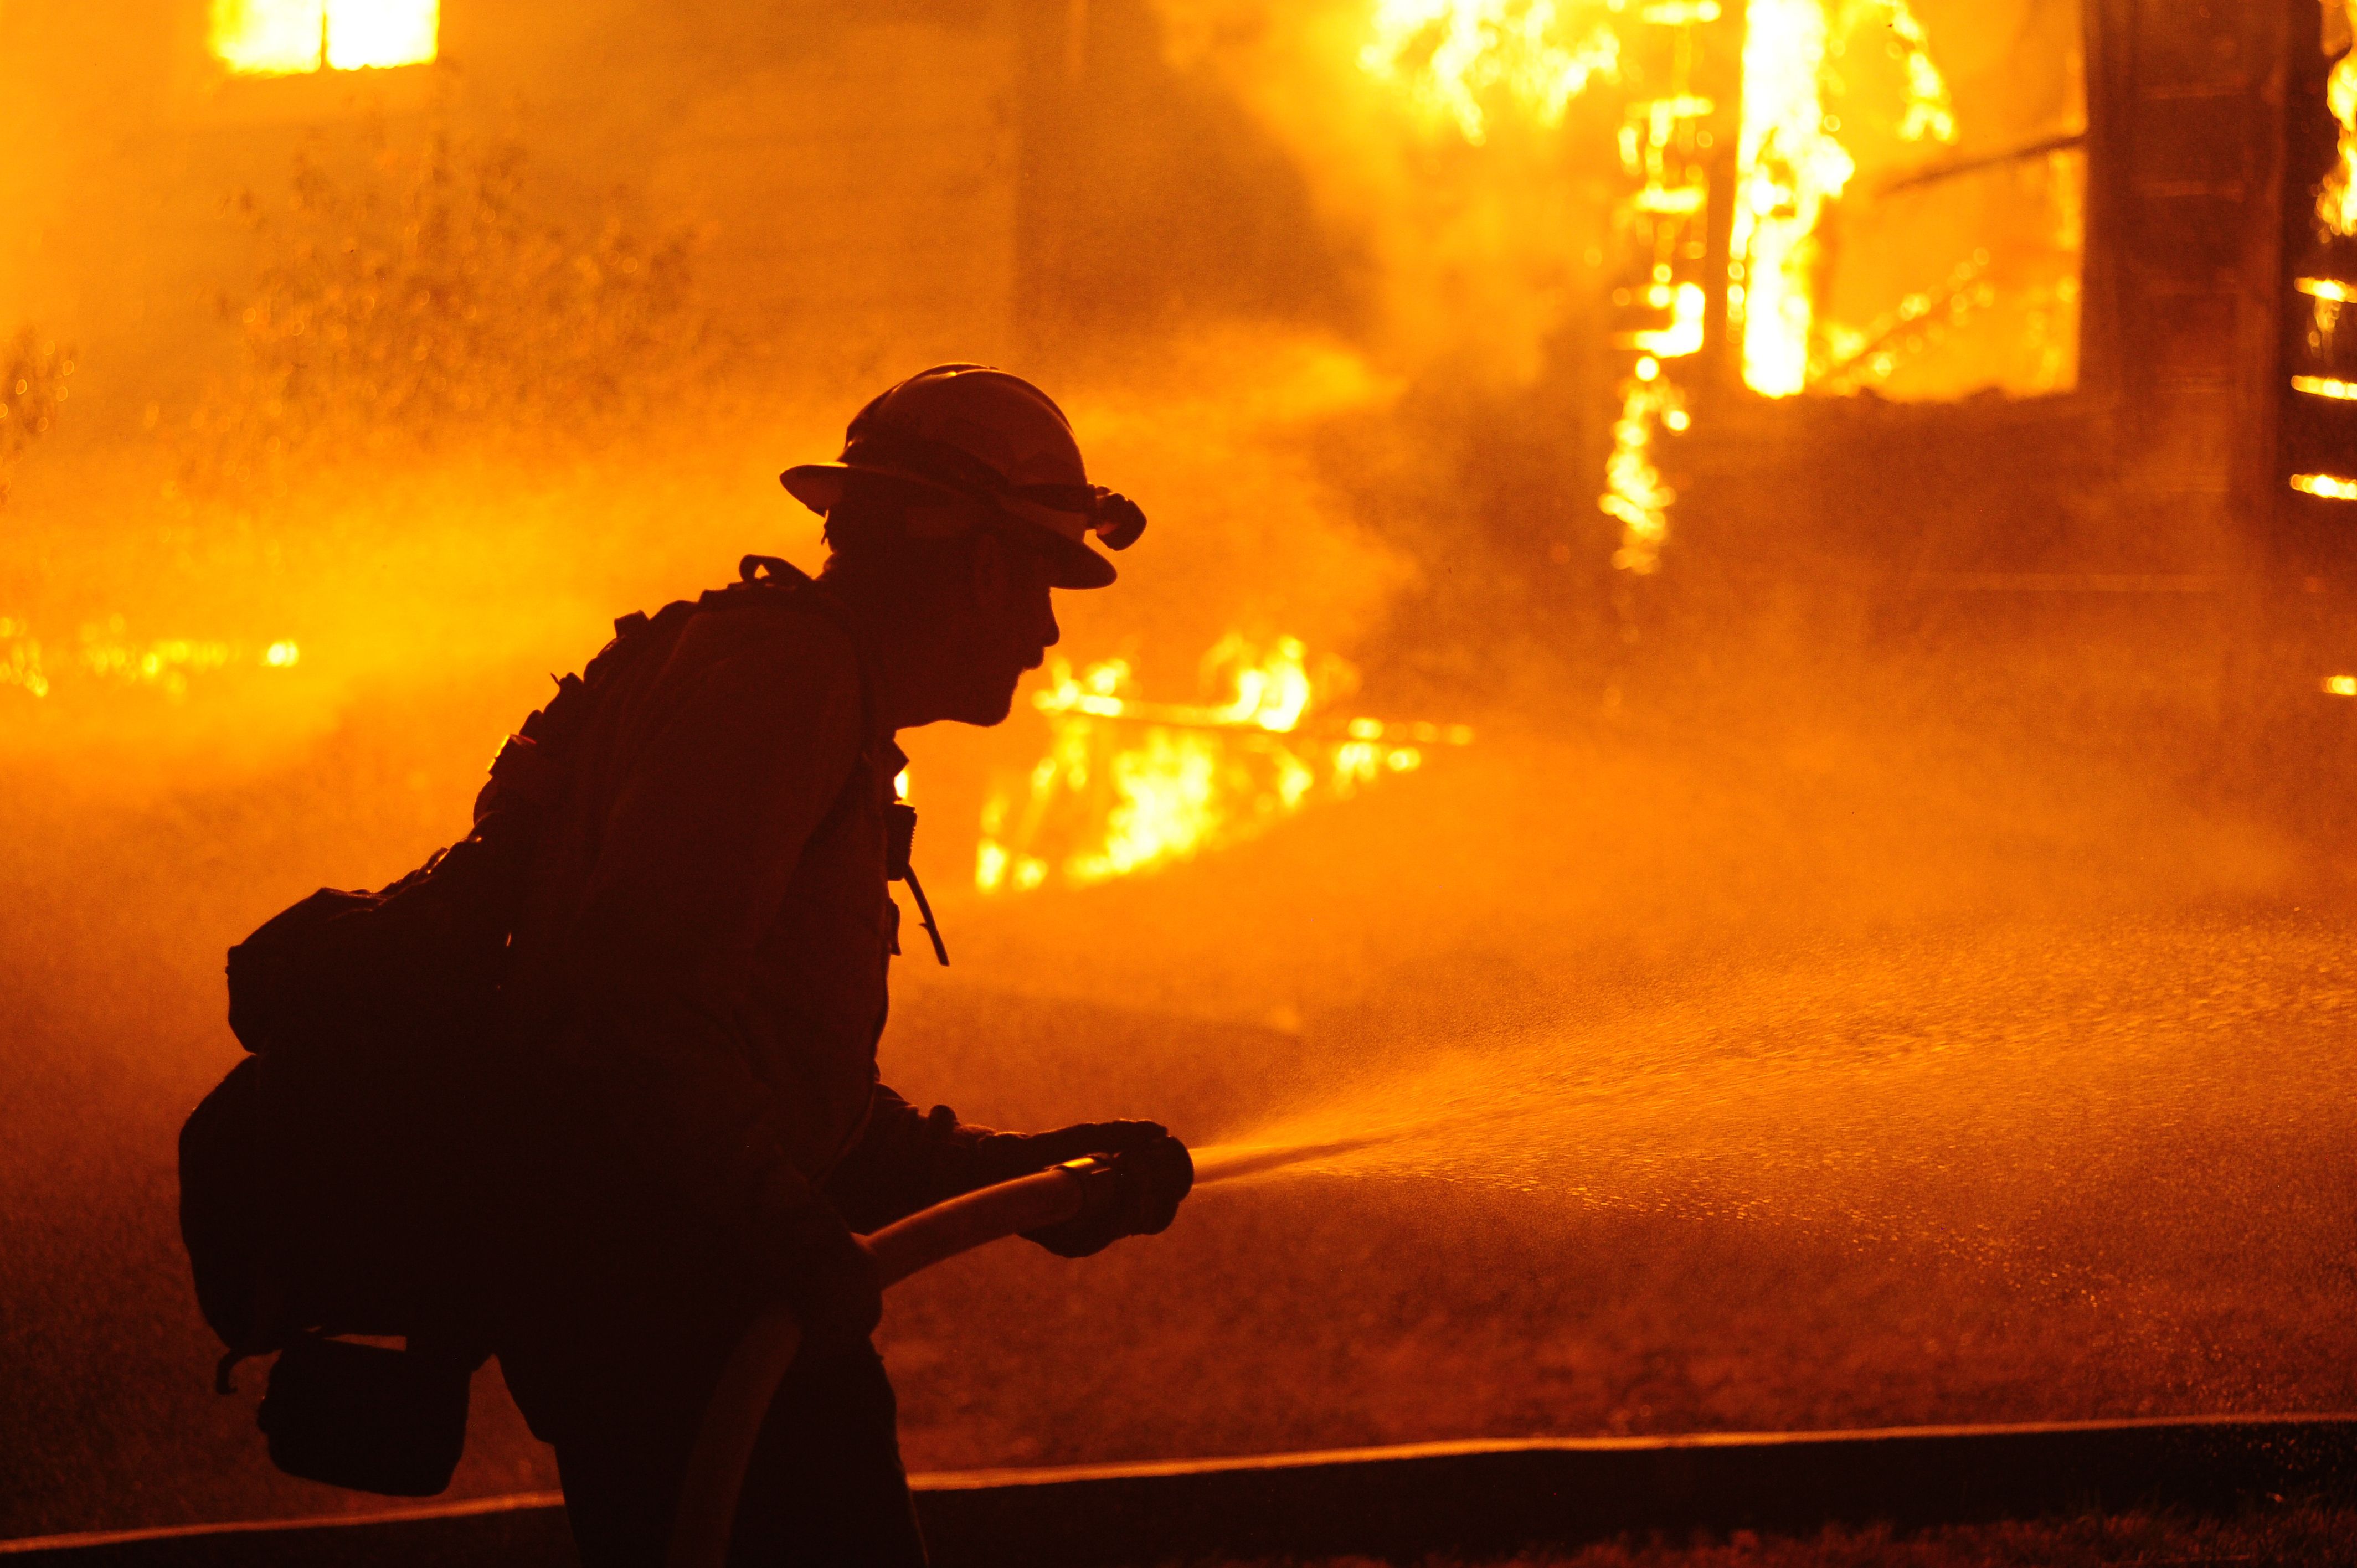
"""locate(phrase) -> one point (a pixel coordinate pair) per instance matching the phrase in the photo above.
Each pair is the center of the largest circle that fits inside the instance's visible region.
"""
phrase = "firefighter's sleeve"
(905, 1159)
(759, 740)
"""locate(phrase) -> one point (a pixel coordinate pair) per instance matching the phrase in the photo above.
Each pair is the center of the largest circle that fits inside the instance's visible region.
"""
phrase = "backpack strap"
(774, 573)
(533, 763)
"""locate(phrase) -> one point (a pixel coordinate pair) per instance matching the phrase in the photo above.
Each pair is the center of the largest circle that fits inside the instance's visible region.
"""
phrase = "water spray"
(1233, 1162)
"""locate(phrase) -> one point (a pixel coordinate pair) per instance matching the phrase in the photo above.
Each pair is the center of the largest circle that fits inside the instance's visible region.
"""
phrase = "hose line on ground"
(724, 1444)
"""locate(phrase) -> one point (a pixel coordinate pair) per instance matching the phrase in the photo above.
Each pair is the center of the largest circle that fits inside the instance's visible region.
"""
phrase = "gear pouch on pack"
(367, 1417)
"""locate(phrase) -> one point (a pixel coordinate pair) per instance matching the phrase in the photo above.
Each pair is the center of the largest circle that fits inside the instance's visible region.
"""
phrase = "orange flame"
(1128, 785)
(167, 663)
(283, 37)
(1791, 164)
(1476, 50)
(2336, 198)
(1634, 493)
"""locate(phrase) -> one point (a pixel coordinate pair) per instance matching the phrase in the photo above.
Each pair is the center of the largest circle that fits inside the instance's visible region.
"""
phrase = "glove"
(1003, 1156)
(825, 1274)
(1137, 1195)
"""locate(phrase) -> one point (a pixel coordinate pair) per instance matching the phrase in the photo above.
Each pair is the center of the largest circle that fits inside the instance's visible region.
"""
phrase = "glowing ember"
(283, 37)
(1634, 492)
(1665, 148)
(1128, 785)
(167, 663)
(20, 658)
(1860, 357)
(1453, 54)
(2326, 386)
(2331, 486)
(2340, 685)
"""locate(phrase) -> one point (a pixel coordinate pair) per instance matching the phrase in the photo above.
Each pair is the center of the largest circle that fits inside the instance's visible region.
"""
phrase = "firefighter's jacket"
(700, 969)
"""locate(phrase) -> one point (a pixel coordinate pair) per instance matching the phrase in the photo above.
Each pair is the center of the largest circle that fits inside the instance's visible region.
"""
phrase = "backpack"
(325, 1183)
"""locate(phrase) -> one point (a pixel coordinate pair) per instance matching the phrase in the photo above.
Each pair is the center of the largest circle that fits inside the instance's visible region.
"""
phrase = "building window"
(1910, 215)
(283, 37)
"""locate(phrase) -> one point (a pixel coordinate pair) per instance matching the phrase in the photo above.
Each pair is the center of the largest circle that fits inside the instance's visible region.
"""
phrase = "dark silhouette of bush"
(432, 300)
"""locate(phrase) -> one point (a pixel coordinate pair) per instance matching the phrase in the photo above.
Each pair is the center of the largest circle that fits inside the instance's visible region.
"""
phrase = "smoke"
(1478, 258)
(1758, 1025)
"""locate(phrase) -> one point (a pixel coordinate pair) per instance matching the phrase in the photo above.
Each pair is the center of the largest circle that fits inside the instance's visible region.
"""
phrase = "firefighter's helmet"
(991, 437)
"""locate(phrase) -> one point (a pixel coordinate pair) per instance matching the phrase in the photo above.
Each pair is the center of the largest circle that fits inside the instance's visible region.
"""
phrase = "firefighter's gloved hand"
(1137, 1195)
(827, 1276)
(1003, 1156)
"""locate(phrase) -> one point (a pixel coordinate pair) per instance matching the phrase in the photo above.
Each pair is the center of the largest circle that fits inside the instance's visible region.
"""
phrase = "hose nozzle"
(1135, 1192)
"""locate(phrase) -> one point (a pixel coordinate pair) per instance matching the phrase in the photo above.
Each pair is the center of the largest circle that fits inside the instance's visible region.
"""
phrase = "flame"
(167, 663)
(1473, 49)
(1790, 163)
(2340, 685)
(1128, 785)
(1854, 358)
(20, 658)
(1664, 146)
(284, 38)
(1931, 112)
(2329, 486)
(363, 33)
(1788, 168)
(2336, 198)
(1634, 492)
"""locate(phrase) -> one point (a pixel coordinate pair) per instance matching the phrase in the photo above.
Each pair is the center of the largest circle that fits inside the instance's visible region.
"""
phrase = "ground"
(1808, 1044)
(2305, 1536)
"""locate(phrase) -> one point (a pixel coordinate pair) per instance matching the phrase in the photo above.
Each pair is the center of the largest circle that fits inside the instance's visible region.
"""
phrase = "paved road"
(1823, 1077)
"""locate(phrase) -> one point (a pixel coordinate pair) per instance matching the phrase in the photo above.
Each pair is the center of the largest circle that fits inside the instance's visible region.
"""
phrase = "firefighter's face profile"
(1013, 625)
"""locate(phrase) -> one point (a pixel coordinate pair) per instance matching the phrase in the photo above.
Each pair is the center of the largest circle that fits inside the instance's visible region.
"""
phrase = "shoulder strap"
(533, 763)
(773, 575)
(774, 581)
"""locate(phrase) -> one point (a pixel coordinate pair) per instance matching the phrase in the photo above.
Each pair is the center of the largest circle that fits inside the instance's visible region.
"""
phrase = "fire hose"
(732, 1423)
(724, 1445)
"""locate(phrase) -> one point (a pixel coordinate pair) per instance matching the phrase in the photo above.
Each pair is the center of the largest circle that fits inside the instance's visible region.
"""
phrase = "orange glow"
(1129, 785)
(1473, 50)
(1863, 255)
(1634, 492)
(1660, 226)
(2330, 487)
(1788, 166)
(2340, 685)
(102, 653)
(20, 658)
(283, 37)
(2336, 198)
(1793, 162)
(2325, 386)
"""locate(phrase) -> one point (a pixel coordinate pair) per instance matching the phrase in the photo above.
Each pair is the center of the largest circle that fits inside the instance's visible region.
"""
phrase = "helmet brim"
(1070, 563)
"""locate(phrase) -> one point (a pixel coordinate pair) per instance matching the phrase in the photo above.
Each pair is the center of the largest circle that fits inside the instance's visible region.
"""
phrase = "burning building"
(1495, 370)
(1848, 254)
(2011, 323)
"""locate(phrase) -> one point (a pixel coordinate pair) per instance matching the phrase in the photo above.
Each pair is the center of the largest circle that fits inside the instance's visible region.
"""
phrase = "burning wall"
(1853, 195)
